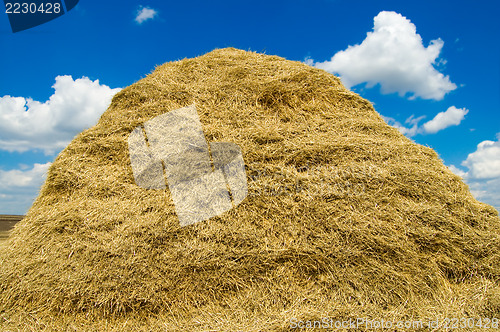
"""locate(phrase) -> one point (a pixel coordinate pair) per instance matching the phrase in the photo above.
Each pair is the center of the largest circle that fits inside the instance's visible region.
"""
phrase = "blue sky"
(431, 68)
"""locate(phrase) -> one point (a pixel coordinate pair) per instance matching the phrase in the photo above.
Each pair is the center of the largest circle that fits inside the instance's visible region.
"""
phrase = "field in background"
(6, 223)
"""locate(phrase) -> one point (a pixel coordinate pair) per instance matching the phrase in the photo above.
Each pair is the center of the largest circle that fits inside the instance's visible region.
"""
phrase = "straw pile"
(345, 217)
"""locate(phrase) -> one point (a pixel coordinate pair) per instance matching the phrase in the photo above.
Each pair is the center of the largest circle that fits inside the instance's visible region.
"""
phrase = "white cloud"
(484, 163)
(486, 191)
(457, 171)
(483, 175)
(18, 188)
(144, 14)
(451, 117)
(27, 124)
(408, 131)
(23, 178)
(393, 56)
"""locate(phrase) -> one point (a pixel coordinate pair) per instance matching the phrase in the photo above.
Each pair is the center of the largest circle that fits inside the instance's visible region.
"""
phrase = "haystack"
(345, 218)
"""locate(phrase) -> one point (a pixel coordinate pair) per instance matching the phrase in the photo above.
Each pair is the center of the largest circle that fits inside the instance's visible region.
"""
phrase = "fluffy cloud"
(393, 56)
(483, 175)
(486, 191)
(484, 163)
(451, 117)
(144, 14)
(23, 178)
(19, 187)
(27, 124)
(457, 171)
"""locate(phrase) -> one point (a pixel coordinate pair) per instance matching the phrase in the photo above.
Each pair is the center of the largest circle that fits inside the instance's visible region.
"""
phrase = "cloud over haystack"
(451, 117)
(27, 124)
(483, 174)
(394, 56)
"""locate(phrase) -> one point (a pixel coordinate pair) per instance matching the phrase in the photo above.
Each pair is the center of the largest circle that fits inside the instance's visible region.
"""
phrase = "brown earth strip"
(7, 222)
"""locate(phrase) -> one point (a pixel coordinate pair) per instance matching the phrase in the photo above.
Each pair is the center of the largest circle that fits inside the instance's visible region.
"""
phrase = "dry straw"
(345, 217)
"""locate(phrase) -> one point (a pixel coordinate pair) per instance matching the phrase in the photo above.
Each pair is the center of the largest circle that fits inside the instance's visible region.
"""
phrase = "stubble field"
(6, 224)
